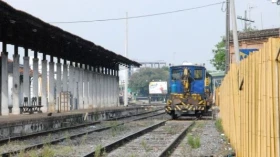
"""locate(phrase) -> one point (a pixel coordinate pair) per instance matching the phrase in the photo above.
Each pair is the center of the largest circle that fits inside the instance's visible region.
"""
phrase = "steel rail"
(40, 145)
(169, 149)
(2, 141)
(127, 139)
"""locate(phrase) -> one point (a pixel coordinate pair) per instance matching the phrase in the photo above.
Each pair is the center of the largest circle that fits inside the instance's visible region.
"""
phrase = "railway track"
(96, 128)
(22, 137)
(157, 140)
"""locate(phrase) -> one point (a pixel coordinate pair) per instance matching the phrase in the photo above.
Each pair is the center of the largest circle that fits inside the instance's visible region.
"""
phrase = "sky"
(174, 38)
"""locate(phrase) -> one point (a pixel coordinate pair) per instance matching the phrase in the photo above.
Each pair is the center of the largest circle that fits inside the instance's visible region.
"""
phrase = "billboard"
(158, 88)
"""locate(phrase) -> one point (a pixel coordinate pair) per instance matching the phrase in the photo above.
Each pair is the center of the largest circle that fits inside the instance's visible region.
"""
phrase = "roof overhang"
(24, 30)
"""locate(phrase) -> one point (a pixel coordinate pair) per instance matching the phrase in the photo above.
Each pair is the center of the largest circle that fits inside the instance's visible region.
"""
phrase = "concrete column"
(44, 85)
(35, 77)
(116, 94)
(16, 84)
(112, 91)
(90, 94)
(94, 87)
(58, 83)
(81, 89)
(117, 91)
(85, 89)
(75, 86)
(102, 90)
(71, 85)
(51, 87)
(4, 82)
(98, 89)
(26, 78)
(107, 90)
(65, 76)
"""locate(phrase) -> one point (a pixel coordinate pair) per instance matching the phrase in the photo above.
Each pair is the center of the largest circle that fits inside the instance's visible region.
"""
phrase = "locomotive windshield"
(176, 74)
(198, 74)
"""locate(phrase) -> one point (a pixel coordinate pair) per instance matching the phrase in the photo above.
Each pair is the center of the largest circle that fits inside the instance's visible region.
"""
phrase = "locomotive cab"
(190, 91)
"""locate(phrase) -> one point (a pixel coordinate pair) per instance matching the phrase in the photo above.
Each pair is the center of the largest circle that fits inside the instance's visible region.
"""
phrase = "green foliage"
(47, 152)
(145, 146)
(194, 142)
(219, 56)
(98, 151)
(218, 125)
(139, 81)
(220, 51)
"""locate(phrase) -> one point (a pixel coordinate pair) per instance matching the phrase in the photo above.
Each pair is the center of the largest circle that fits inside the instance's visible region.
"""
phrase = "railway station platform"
(24, 124)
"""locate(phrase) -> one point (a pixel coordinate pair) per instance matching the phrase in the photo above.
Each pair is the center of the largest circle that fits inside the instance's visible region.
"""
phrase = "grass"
(47, 152)
(170, 130)
(83, 140)
(145, 146)
(116, 128)
(194, 142)
(98, 151)
(219, 125)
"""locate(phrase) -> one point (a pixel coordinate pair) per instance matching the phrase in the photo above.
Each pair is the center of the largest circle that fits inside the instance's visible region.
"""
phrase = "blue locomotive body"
(190, 90)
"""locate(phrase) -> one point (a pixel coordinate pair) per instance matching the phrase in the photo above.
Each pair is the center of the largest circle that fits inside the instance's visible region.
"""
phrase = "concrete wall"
(40, 124)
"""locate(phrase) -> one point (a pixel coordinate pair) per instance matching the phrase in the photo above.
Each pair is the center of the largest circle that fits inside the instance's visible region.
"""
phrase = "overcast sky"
(185, 36)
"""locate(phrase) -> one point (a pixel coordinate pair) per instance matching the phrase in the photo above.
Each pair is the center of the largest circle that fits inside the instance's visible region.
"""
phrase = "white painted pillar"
(107, 90)
(85, 88)
(51, 87)
(4, 83)
(94, 87)
(111, 91)
(90, 93)
(44, 86)
(65, 76)
(81, 89)
(116, 94)
(26, 79)
(16, 84)
(117, 91)
(102, 90)
(98, 90)
(58, 84)
(35, 78)
(75, 85)
(70, 85)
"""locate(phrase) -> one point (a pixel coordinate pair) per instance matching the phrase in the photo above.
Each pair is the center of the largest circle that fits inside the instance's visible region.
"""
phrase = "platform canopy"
(25, 30)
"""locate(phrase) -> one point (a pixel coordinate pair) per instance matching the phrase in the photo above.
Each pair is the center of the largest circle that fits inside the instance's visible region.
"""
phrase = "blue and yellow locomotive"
(190, 91)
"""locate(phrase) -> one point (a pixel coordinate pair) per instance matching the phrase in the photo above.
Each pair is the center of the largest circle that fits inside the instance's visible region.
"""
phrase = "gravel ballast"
(212, 142)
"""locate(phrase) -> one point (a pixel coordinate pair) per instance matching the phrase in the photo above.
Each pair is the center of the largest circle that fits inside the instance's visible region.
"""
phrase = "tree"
(139, 81)
(219, 56)
(220, 52)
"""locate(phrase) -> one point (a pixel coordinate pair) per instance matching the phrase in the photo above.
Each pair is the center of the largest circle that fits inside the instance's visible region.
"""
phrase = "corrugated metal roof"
(25, 30)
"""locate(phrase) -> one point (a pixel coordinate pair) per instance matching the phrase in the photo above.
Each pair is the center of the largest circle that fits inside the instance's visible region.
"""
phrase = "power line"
(143, 16)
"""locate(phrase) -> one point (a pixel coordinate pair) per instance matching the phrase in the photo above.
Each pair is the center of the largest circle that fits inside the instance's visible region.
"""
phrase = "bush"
(194, 142)
(218, 125)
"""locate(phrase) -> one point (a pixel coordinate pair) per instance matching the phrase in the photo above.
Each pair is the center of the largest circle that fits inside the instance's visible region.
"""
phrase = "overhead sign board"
(158, 88)
(245, 52)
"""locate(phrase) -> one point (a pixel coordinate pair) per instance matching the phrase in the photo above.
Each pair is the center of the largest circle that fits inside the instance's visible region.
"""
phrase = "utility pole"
(125, 68)
(235, 37)
(245, 19)
(227, 56)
